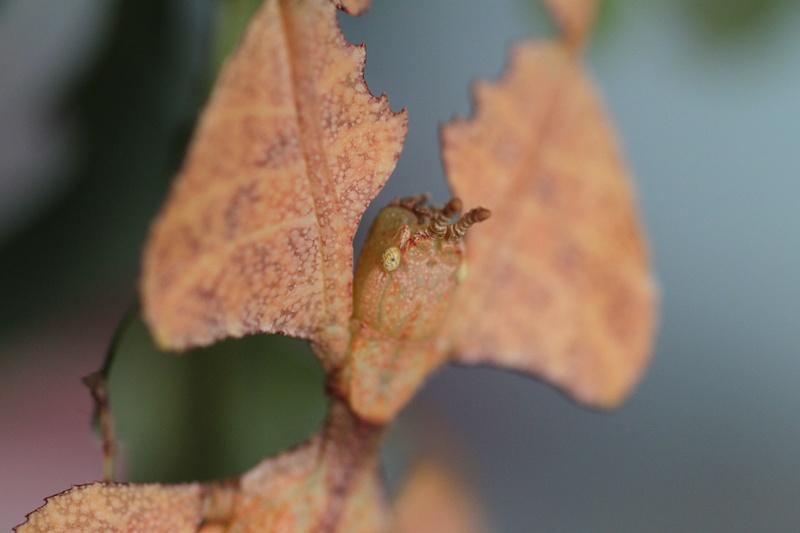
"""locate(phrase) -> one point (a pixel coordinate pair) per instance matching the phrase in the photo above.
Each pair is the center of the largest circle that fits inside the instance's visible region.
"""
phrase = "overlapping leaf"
(257, 233)
(560, 283)
(329, 484)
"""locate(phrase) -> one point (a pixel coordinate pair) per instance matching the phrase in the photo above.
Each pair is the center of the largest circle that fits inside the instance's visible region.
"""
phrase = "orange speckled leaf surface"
(100, 507)
(560, 283)
(575, 18)
(256, 235)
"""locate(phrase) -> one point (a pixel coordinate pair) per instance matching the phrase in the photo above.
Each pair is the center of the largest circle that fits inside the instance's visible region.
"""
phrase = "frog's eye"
(390, 259)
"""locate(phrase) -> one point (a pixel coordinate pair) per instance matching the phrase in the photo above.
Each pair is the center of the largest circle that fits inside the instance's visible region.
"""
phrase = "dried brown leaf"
(256, 235)
(559, 279)
(102, 507)
(575, 18)
(329, 484)
(434, 500)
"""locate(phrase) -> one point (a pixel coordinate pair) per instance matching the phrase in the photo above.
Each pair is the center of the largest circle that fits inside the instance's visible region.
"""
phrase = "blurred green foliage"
(232, 18)
(134, 110)
(211, 413)
(731, 20)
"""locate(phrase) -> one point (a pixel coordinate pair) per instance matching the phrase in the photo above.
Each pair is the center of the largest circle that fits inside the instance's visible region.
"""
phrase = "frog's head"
(410, 267)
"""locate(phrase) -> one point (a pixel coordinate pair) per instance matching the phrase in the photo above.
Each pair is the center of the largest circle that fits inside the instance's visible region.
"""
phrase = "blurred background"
(97, 102)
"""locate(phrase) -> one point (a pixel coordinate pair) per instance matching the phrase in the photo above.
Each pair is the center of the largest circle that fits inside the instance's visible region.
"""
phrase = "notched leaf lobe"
(256, 235)
(560, 282)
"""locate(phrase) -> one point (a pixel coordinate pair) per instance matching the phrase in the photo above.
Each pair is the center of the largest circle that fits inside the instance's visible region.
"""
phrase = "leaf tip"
(575, 19)
(355, 8)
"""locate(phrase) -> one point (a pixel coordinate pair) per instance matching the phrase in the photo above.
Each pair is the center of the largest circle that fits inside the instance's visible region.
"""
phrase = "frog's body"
(404, 285)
